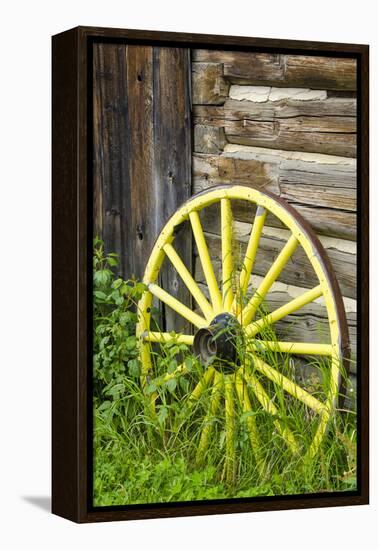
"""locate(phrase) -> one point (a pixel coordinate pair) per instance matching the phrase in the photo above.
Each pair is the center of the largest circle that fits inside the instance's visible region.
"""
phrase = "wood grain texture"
(172, 165)
(137, 189)
(325, 126)
(208, 84)
(123, 151)
(323, 192)
(142, 153)
(298, 270)
(210, 170)
(269, 69)
(209, 139)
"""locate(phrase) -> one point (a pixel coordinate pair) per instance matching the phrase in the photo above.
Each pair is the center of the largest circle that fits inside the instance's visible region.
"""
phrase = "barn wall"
(286, 124)
(142, 155)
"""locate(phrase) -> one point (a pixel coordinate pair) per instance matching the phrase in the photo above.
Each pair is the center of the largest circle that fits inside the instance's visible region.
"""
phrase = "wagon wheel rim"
(246, 383)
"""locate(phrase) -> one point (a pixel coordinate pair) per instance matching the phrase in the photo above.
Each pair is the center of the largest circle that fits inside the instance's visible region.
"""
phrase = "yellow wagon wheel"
(243, 384)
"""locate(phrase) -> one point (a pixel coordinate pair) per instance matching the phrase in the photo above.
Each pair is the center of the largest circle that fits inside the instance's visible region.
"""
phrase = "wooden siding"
(142, 153)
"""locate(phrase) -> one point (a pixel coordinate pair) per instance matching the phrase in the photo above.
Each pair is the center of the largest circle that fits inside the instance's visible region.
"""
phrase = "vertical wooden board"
(142, 155)
(110, 143)
(139, 208)
(172, 149)
(124, 186)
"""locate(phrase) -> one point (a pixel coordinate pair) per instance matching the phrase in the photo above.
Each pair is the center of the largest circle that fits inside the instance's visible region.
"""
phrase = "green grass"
(141, 457)
(140, 460)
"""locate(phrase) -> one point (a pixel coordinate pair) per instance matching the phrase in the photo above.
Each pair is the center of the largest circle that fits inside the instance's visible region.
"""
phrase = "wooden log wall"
(287, 124)
(283, 123)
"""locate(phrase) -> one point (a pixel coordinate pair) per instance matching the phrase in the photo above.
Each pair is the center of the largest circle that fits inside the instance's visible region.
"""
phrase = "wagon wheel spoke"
(250, 255)
(283, 257)
(209, 418)
(267, 404)
(167, 338)
(315, 444)
(287, 309)
(230, 429)
(202, 384)
(179, 371)
(295, 348)
(177, 306)
(207, 266)
(227, 260)
(245, 403)
(290, 387)
(188, 280)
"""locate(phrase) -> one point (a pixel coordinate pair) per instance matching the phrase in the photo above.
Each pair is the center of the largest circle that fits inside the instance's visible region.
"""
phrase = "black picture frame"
(72, 248)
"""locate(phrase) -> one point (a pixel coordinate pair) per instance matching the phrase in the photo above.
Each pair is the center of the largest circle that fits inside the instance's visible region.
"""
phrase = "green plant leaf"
(172, 366)
(100, 295)
(162, 415)
(130, 343)
(112, 261)
(102, 277)
(133, 366)
(184, 384)
(171, 384)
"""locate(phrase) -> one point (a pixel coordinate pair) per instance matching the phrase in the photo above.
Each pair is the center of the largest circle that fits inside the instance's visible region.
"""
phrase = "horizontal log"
(209, 170)
(331, 186)
(325, 73)
(209, 87)
(320, 187)
(316, 137)
(327, 126)
(325, 222)
(298, 271)
(271, 110)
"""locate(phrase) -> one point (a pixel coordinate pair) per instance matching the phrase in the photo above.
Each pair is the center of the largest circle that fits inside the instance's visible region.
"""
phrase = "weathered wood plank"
(117, 106)
(137, 186)
(298, 271)
(209, 170)
(325, 73)
(209, 86)
(332, 72)
(270, 110)
(326, 126)
(324, 181)
(332, 186)
(324, 221)
(172, 163)
(245, 67)
(142, 154)
(300, 135)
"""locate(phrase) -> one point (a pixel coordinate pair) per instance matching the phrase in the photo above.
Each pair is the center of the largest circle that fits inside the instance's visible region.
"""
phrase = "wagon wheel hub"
(219, 342)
